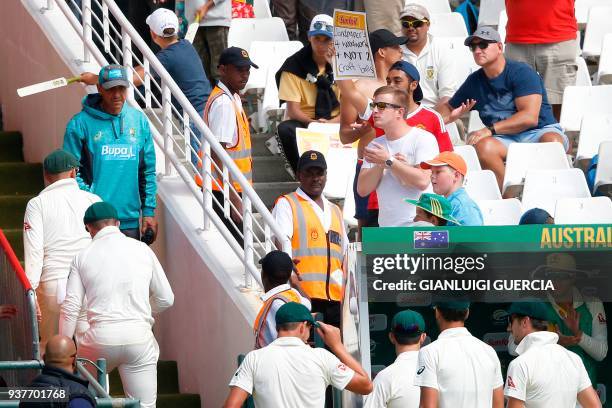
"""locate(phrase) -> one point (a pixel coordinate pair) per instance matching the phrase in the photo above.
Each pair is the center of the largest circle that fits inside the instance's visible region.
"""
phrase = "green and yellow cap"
(436, 205)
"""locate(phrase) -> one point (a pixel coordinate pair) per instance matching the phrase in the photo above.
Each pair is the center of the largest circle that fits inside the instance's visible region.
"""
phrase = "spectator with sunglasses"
(435, 64)
(306, 82)
(510, 98)
(390, 165)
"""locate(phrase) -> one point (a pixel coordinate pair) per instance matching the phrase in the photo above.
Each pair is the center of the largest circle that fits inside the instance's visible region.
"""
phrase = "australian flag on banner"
(430, 239)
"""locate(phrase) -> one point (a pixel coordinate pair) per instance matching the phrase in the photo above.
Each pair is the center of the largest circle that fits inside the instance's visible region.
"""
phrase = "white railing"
(171, 130)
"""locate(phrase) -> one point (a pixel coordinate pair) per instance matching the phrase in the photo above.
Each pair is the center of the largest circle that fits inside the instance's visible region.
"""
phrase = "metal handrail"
(164, 138)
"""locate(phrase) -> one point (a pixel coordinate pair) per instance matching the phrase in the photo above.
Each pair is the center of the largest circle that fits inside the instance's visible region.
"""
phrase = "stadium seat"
(594, 130)
(523, 157)
(348, 209)
(604, 71)
(448, 25)
(598, 25)
(243, 31)
(464, 61)
(469, 155)
(580, 100)
(262, 9)
(544, 187)
(583, 78)
(453, 133)
(501, 212)
(433, 6)
(603, 175)
(501, 25)
(482, 185)
(582, 8)
(489, 12)
(592, 210)
(474, 122)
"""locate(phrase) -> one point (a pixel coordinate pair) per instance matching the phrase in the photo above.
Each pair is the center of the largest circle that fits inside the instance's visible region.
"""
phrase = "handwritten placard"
(353, 59)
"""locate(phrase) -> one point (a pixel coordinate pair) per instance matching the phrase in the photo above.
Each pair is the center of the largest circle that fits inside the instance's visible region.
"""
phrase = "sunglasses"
(482, 45)
(322, 26)
(414, 23)
(383, 105)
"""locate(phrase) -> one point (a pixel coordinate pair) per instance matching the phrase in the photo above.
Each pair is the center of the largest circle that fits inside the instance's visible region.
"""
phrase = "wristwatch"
(389, 161)
(492, 129)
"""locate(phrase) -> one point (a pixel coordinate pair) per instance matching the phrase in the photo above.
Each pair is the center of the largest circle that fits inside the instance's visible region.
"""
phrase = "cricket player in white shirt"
(394, 386)
(123, 284)
(545, 374)
(290, 374)
(52, 235)
(458, 370)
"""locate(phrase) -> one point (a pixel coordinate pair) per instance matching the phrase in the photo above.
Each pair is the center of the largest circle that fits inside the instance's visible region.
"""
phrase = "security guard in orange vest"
(227, 120)
(276, 268)
(318, 237)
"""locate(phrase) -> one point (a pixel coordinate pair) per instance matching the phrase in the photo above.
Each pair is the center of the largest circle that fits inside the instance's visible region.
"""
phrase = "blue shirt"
(495, 96)
(465, 210)
(184, 65)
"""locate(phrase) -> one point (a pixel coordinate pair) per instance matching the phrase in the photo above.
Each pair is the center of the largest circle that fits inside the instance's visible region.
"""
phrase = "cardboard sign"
(320, 141)
(353, 59)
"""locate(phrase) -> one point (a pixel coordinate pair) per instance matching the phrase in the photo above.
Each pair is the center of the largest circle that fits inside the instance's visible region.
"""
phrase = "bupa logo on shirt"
(118, 152)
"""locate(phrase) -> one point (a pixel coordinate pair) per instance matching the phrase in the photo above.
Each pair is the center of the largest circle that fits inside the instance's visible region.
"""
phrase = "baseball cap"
(113, 75)
(293, 312)
(436, 205)
(451, 159)
(276, 260)
(311, 158)
(237, 57)
(453, 305)
(485, 33)
(382, 38)
(413, 73)
(321, 24)
(100, 211)
(415, 10)
(60, 161)
(534, 309)
(408, 322)
(161, 20)
(535, 216)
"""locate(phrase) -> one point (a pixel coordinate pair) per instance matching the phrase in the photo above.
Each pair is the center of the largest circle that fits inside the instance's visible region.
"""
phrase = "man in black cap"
(52, 235)
(227, 120)
(318, 238)
(276, 268)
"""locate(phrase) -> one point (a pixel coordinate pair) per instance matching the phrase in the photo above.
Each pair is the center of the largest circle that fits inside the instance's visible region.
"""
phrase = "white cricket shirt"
(53, 230)
(545, 374)
(463, 369)
(290, 374)
(222, 116)
(394, 386)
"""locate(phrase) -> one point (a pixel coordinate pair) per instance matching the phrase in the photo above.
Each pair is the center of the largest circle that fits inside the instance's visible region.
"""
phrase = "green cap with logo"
(436, 205)
(100, 211)
(452, 305)
(60, 161)
(408, 323)
(293, 312)
(533, 309)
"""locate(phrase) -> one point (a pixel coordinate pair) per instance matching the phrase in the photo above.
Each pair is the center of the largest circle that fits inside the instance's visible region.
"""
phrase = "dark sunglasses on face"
(482, 45)
(414, 23)
(322, 26)
(383, 105)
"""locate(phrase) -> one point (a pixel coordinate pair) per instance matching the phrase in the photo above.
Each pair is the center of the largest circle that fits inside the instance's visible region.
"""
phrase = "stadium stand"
(544, 187)
(501, 212)
(592, 210)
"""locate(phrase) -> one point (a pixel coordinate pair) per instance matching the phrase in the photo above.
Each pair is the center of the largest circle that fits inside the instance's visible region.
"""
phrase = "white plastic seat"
(261, 8)
(603, 175)
(580, 100)
(582, 8)
(464, 60)
(544, 187)
(474, 123)
(583, 78)
(243, 31)
(523, 157)
(489, 11)
(433, 6)
(598, 25)
(447, 25)
(453, 133)
(500, 212)
(594, 130)
(604, 71)
(592, 210)
(482, 185)
(469, 155)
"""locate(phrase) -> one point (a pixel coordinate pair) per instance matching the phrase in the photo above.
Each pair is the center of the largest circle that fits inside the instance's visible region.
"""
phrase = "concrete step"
(269, 192)
(20, 178)
(258, 142)
(12, 209)
(269, 169)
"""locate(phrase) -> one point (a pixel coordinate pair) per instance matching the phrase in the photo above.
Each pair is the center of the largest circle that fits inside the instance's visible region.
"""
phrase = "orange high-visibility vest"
(240, 153)
(286, 296)
(320, 253)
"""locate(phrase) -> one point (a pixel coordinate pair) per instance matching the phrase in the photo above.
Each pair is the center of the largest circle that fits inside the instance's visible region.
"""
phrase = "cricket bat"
(192, 30)
(46, 86)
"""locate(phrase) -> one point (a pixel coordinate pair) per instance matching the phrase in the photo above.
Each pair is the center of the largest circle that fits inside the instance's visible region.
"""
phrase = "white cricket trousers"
(137, 365)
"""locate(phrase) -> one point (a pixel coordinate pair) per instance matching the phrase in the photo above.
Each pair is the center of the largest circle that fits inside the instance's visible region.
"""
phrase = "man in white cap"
(434, 62)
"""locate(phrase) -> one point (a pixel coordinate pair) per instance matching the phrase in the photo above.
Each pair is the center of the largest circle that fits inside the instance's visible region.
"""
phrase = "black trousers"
(286, 133)
(228, 222)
